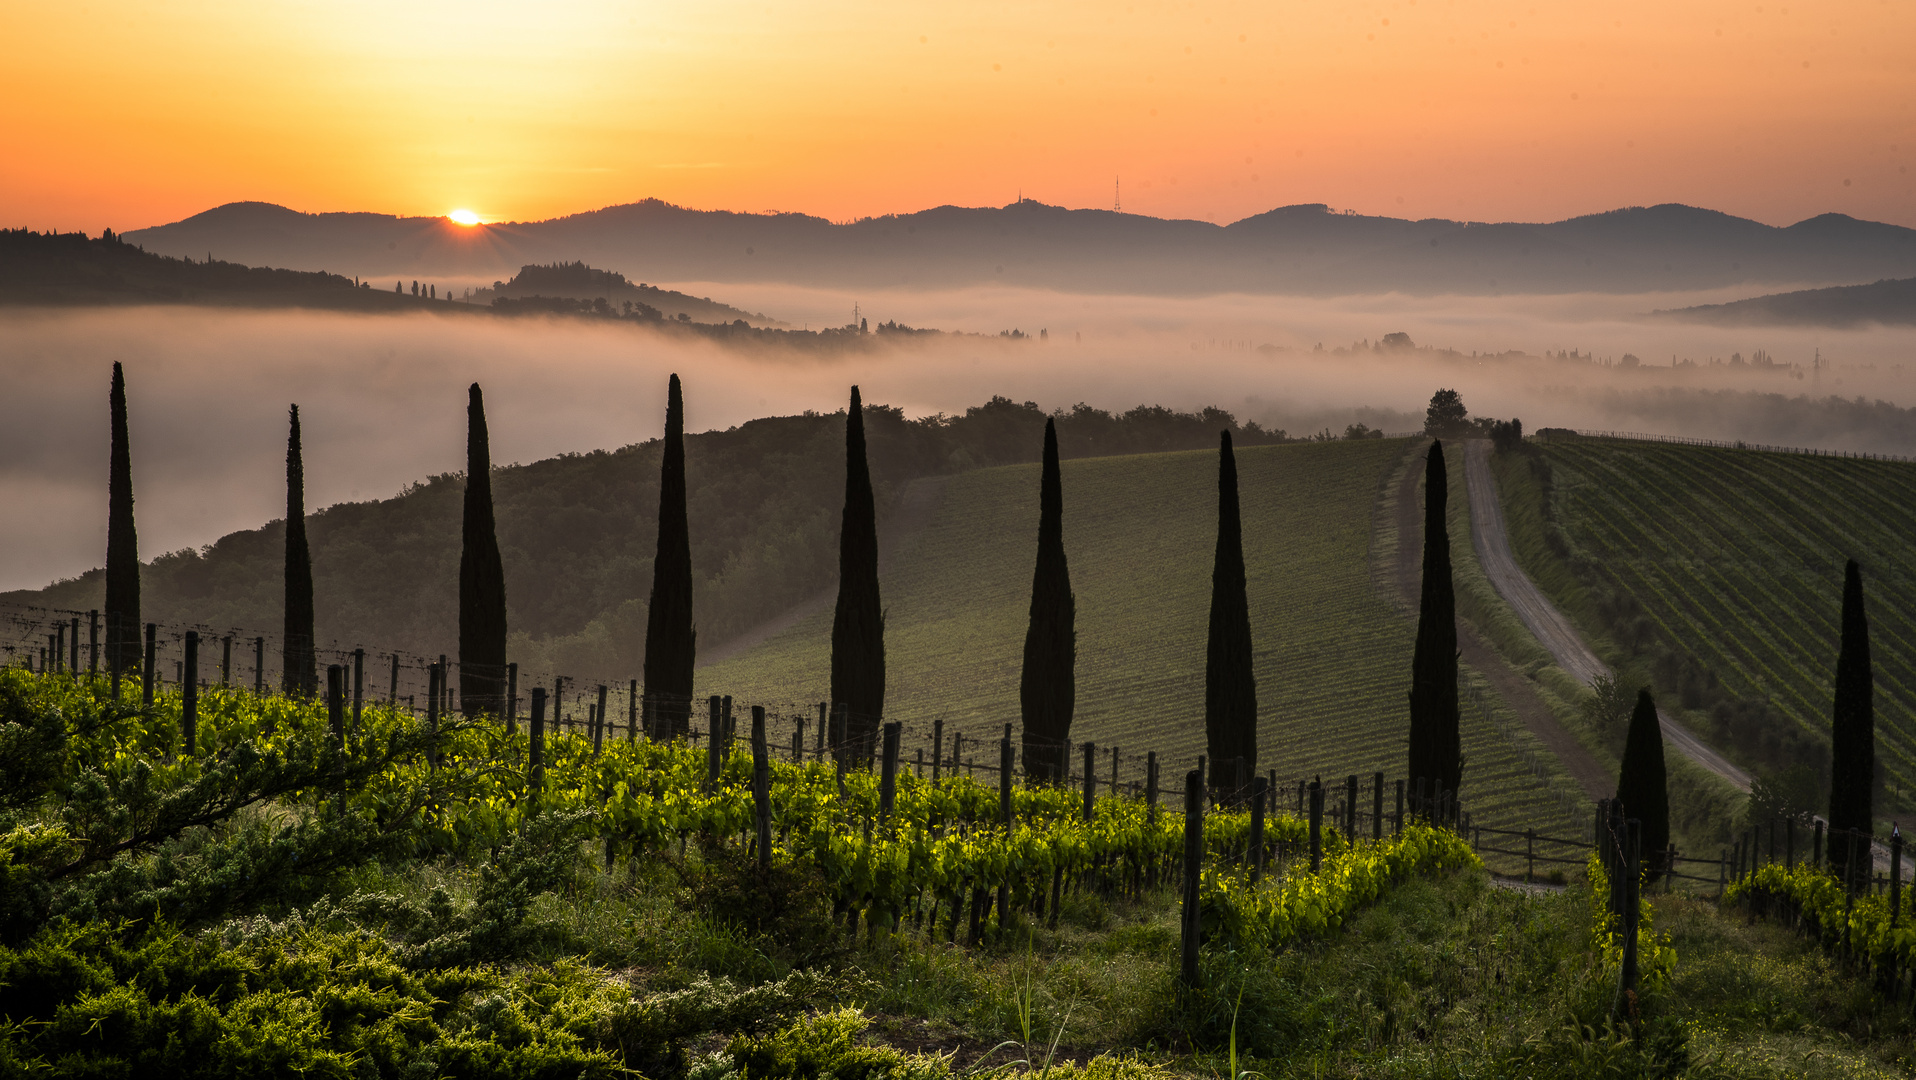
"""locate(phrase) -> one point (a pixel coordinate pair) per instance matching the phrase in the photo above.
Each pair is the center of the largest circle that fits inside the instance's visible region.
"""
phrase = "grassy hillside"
(1717, 575)
(1333, 655)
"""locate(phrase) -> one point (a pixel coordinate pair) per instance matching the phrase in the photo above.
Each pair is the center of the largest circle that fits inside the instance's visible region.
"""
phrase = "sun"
(464, 217)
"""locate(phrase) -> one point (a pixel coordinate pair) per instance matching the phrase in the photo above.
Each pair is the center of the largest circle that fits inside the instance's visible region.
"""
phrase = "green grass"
(1332, 652)
(1737, 558)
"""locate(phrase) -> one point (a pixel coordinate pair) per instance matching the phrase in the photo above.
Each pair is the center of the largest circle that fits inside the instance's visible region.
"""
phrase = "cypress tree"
(296, 656)
(1230, 686)
(1047, 693)
(482, 578)
(122, 546)
(671, 641)
(1436, 754)
(1852, 727)
(1641, 786)
(858, 624)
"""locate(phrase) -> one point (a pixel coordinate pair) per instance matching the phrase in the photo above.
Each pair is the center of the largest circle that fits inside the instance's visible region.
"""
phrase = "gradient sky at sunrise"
(130, 114)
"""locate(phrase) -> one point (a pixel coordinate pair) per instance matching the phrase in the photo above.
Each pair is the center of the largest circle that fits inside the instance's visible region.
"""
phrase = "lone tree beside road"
(1436, 751)
(122, 546)
(1047, 692)
(482, 578)
(671, 641)
(1852, 732)
(1446, 418)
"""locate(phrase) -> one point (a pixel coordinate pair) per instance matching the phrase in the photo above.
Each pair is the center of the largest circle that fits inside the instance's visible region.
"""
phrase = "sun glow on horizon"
(463, 217)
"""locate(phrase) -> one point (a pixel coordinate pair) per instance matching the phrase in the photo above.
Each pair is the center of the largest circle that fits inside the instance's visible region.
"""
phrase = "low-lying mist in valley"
(382, 397)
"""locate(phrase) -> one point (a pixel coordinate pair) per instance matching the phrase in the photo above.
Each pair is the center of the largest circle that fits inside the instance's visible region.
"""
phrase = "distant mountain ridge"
(1890, 302)
(577, 281)
(1299, 250)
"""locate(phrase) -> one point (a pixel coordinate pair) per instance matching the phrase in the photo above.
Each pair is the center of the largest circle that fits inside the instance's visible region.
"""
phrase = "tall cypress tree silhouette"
(671, 641)
(296, 656)
(122, 546)
(1230, 686)
(1852, 729)
(1641, 784)
(1436, 754)
(1047, 694)
(858, 624)
(482, 577)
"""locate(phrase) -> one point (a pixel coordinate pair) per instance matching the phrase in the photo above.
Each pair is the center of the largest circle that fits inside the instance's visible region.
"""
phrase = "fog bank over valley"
(382, 397)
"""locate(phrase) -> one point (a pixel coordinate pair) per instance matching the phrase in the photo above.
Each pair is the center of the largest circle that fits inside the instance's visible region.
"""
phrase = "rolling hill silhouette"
(1891, 302)
(1303, 250)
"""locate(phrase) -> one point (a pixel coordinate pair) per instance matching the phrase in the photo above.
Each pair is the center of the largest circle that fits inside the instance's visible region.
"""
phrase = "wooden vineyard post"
(823, 723)
(1529, 854)
(73, 647)
(1151, 786)
(512, 699)
(714, 745)
(1722, 871)
(598, 729)
(1317, 825)
(259, 666)
(888, 772)
(937, 748)
(445, 685)
(798, 740)
(1090, 782)
(1190, 924)
(1377, 806)
(1114, 772)
(190, 694)
(146, 688)
(392, 696)
(762, 788)
(1259, 792)
(632, 711)
(93, 642)
(336, 722)
(226, 660)
(1397, 822)
(726, 722)
(1816, 844)
(536, 746)
(433, 675)
(1303, 789)
(359, 687)
(1350, 808)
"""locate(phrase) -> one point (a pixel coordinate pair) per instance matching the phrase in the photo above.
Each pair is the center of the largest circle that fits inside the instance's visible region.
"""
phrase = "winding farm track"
(1541, 617)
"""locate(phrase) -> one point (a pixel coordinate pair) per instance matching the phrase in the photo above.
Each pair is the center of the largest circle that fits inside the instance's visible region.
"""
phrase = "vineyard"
(1716, 573)
(1332, 652)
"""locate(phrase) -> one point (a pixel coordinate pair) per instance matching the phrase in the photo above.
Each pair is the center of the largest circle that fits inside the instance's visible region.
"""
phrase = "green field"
(1333, 655)
(1732, 565)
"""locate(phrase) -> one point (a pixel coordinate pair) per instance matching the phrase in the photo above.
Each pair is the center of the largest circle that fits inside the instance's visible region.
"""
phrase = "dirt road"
(1541, 617)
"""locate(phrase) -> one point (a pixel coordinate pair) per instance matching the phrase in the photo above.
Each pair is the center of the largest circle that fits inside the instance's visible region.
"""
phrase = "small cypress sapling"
(482, 577)
(1230, 684)
(122, 604)
(858, 623)
(1852, 727)
(1436, 751)
(1047, 693)
(671, 640)
(1641, 784)
(296, 657)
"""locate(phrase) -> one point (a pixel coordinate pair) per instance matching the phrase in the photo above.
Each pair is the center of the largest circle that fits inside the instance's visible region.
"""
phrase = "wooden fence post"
(392, 696)
(1090, 782)
(226, 661)
(445, 685)
(798, 740)
(1397, 823)
(93, 643)
(146, 687)
(824, 722)
(888, 772)
(727, 723)
(1529, 854)
(1895, 875)
(598, 729)
(190, 694)
(1151, 786)
(1114, 772)
(1317, 824)
(536, 746)
(632, 711)
(762, 788)
(1190, 924)
(1350, 808)
(359, 688)
(1259, 792)
(1006, 762)
(512, 699)
(937, 748)
(714, 745)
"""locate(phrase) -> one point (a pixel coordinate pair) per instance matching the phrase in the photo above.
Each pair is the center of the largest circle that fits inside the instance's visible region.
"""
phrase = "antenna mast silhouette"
(1117, 200)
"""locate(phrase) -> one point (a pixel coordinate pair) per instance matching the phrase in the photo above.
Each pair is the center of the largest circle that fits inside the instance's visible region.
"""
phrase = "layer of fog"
(382, 398)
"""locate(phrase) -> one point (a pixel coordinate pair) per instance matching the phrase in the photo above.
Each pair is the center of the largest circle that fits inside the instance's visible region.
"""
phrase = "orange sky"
(131, 114)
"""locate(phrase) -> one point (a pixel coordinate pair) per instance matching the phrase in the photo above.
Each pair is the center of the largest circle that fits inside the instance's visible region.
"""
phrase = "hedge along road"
(1542, 618)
